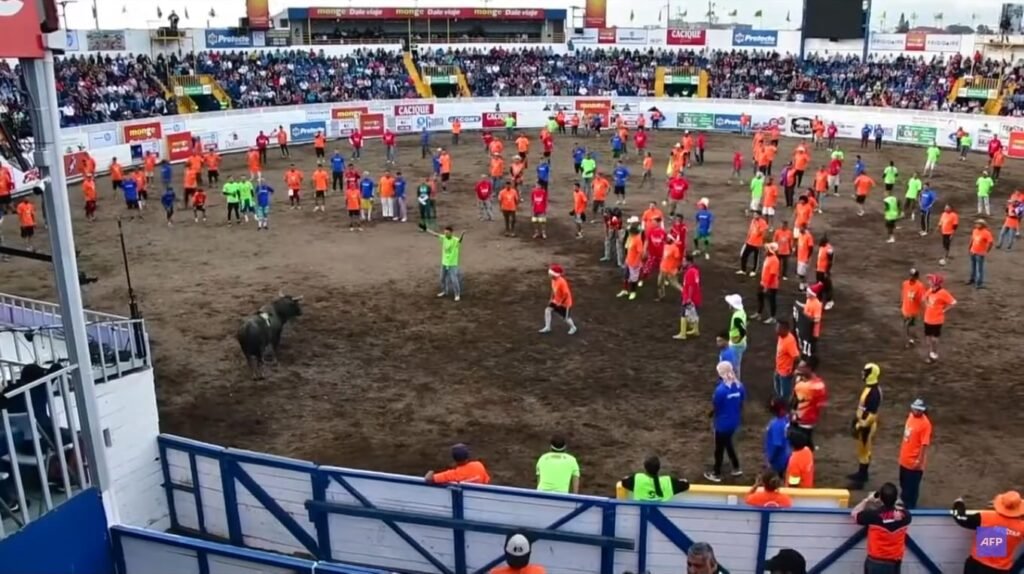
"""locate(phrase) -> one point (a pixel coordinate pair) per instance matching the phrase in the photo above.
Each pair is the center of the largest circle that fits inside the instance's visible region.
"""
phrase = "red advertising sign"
(258, 13)
(427, 14)
(595, 14)
(348, 113)
(142, 132)
(493, 120)
(20, 22)
(414, 110)
(600, 107)
(606, 36)
(372, 125)
(73, 160)
(685, 37)
(1015, 145)
(179, 146)
(915, 41)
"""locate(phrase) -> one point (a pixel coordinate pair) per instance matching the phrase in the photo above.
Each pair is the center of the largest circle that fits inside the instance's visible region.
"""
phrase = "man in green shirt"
(246, 198)
(588, 168)
(557, 470)
(231, 193)
(510, 127)
(966, 142)
(892, 214)
(931, 159)
(838, 154)
(985, 184)
(889, 176)
(451, 248)
(914, 186)
(756, 193)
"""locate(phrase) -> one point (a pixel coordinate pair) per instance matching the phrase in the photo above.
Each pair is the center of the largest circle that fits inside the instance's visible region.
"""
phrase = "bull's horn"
(280, 292)
(297, 298)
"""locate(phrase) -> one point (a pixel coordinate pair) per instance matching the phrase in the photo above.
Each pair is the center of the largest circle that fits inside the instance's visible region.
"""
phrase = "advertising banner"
(695, 120)
(142, 132)
(318, 115)
(431, 14)
(727, 122)
(1015, 145)
(71, 162)
(595, 14)
(920, 135)
(372, 125)
(801, 125)
(348, 113)
(887, 42)
(495, 120)
(755, 38)
(306, 131)
(258, 13)
(179, 146)
(762, 121)
(101, 139)
(685, 37)
(942, 43)
(344, 127)
(915, 41)
(631, 36)
(139, 150)
(414, 110)
(469, 122)
(208, 140)
(72, 39)
(602, 107)
(606, 35)
(228, 38)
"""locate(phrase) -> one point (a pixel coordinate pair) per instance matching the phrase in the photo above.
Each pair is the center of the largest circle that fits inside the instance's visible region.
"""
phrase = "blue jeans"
(1007, 234)
(977, 269)
(783, 386)
(737, 351)
(450, 281)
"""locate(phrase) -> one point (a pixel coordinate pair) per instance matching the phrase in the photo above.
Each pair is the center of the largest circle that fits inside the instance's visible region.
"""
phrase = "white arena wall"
(236, 130)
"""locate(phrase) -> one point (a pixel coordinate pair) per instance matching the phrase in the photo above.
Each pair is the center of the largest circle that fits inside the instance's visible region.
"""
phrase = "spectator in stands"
(95, 89)
(517, 557)
(557, 470)
(700, 559)
(652, 486)
(887, 522)
(765, 492)
(787, 561)
(465, 470)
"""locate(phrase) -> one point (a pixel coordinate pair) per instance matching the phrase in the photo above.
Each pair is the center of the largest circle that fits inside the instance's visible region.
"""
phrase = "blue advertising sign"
(228, 38)
(727, 122)
(305, 131)
(756, 38)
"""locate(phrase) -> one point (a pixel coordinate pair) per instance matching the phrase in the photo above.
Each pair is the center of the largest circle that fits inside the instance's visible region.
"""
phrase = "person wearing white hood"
(737, 329)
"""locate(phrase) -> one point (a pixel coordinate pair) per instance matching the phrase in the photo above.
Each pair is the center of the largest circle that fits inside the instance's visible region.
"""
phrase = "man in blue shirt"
(400, 185)
(705, 220)
(776, 446)
(435, 163)
(424, 143)
(131, 194)
(167, 200)
(366, 197)
(879, 132)
(858, 167)
(925, 205)
(544, 174)
(619, 178)
(337, 171)
(725, 352)
(616, 146)
(578, 153)
(165, 173)
(865, 134)
(263, 193)
(727, 409)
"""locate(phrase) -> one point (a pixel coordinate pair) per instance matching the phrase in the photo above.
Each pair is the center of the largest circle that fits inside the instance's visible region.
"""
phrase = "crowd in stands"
(95, 89)
(299, 77)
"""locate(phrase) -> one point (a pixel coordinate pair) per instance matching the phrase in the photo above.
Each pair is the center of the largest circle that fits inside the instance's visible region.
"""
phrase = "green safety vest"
(892, 208)
(733, 331)
(643, 488)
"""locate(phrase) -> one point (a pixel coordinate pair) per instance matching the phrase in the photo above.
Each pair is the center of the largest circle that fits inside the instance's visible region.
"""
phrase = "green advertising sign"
(976, 93)
(682, 80)
(920, 135)
(203, 90)
(431, 80)
(695, 121)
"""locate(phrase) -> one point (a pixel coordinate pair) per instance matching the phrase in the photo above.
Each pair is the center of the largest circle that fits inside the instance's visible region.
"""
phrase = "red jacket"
(691, 286)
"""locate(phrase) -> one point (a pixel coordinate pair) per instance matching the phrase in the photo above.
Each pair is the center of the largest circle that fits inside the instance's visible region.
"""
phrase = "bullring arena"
(380, 374)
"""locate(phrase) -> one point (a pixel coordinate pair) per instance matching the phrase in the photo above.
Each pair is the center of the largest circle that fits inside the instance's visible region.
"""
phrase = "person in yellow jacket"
(865, 423)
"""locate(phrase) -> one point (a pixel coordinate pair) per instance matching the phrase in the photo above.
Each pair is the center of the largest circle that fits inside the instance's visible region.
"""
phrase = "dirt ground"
(379, 374)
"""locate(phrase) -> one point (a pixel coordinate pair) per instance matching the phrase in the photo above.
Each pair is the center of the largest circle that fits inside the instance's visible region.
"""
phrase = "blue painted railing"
(618, 535)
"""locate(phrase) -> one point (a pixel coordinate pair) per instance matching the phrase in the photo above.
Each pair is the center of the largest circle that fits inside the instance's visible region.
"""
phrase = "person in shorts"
(27, 221)
(353, 204)
(198, 204)
(579, 209)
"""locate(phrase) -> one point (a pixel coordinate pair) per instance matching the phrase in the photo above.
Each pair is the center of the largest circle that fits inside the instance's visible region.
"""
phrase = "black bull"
(262, 331)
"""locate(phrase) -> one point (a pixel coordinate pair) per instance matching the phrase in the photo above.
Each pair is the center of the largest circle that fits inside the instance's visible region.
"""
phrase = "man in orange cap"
(561, 300)
(1000, 532)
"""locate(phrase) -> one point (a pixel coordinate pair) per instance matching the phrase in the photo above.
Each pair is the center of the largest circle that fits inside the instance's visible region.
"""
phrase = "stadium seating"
(100, 89)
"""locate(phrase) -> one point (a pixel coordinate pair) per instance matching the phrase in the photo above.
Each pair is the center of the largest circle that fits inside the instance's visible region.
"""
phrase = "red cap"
(815, 289)
(936, 279)
(556, 269)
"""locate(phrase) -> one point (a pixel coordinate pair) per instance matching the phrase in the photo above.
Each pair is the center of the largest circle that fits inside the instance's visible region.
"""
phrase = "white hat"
(517, 545)
(633, 219)
(704, 201)
(735, 301)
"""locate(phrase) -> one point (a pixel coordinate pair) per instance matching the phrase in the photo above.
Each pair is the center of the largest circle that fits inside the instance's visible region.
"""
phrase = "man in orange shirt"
(755, 241)
(911, 301)
(1006, 516)
(769, 201)
(948, 222)
(823, 271)
(282, 141)
(320, 182)
(252, 158)
(27, 221)
(465, 470)
(319, 144)
(981, 243)
(89, 195)
(561, 298)
(862, 187)
(579, 209)
(116, 174)
(668, 270)
(765, 492)
(783, 237)
(508, 202)
(517, 552)
(804, 250)
(387, 195)
(191, 183)
(936, 302)
(293, 180)
(769, 286)
(1011, 225)
(800, 470)
(149, 165)
(634, 259)
(212, 160)
(523, 146)
(445, 159)
(787, 353)
(353, 204)
(6, 189)
(917, 437)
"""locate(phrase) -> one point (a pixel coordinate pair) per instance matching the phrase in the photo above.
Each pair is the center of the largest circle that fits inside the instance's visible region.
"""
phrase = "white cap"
(704, 201)
(517, 545)
(735, 301)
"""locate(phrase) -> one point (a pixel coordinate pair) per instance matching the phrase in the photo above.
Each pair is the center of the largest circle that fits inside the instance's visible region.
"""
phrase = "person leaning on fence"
(652, 486)
(465, 470)
(517, 557)
(557, 470)
(765, 492)
(1000, 532)
(887, 522)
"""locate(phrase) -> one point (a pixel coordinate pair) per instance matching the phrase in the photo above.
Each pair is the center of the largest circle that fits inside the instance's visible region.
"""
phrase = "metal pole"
(39, 77)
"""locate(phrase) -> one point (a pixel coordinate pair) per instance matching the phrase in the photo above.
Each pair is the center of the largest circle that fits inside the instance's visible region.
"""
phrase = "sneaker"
(707, 256)
(752, 274)
(942, 261)
(891, 240)
(622, 293)
(545, 330)
(755, 316)
(712, 477)
(830, 305)
(458, 298)
(441, 294)
(769, 321)
(572, 330)
(632, 295)
(740, 272)
(736, 472)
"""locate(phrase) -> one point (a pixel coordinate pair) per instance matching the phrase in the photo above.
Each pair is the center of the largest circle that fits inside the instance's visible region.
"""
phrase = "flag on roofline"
(186, 12)
(212, 13)
(631, 15)
(758, 14)
(733, 13)
(159, 12)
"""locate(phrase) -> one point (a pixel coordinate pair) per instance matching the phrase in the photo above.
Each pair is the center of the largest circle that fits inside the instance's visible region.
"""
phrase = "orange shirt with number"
(912, 298)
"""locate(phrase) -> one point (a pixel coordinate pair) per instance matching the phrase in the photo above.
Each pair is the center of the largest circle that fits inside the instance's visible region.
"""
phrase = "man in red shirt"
(539, 201)
(701, 143)
(654, 249)
(548, 144)
(640, 141)
(389, 146)
(613, 237)
(262, 141)
(484, 192)
(677, 188)
(356, 139)
(691, 299)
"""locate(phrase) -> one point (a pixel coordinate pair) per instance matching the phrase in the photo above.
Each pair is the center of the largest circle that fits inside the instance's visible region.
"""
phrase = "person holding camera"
(887, 522)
